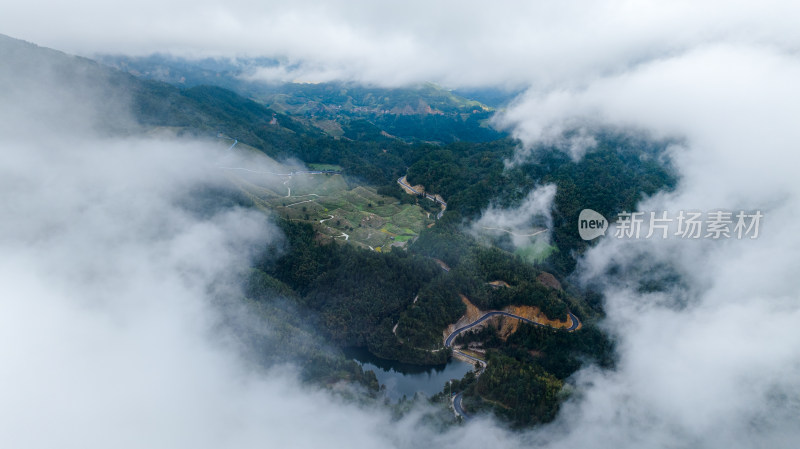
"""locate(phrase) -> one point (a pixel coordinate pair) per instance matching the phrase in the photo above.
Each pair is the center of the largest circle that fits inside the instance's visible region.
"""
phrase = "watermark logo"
(718, 224)
(591, 224)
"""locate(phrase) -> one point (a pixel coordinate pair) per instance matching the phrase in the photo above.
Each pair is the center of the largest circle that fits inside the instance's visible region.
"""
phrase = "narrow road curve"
(222, 136)
(449, 341)
(292, 173)
(514, 233)
(299, 202)
(457, 408)
(296, 172)
(427, 195)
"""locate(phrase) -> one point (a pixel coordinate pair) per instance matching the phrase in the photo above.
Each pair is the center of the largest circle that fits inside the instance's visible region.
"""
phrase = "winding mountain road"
(457, 407)
(296, 172)
(426, 195)
(449, 341)
(533, 234)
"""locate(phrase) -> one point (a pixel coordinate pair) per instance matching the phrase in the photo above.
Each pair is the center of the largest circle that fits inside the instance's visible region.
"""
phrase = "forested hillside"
(319, 295)
(424, 113)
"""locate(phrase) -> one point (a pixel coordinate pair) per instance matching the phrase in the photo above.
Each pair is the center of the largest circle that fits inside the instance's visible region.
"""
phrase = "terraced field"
(337, 208)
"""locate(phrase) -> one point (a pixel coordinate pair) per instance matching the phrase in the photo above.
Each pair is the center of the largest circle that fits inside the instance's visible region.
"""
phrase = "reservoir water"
(403, 379)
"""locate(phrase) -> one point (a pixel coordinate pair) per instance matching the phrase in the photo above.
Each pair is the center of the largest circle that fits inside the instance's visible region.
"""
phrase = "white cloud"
(522, 223)
(452, 43)
(106, 320)
(708, 363)
(112, 289)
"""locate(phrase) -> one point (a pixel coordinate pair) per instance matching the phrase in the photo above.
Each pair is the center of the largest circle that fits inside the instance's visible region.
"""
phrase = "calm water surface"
(402, 379)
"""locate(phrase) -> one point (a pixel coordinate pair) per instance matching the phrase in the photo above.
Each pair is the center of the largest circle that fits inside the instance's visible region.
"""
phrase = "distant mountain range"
(210, 96)
(125, 103)
(418, 113)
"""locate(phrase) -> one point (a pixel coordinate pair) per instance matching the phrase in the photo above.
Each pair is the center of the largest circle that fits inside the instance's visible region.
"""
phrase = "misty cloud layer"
(114, 288)
(711, 361)
(454, 43)
(110, 334)
(106, 281)
(520, 223)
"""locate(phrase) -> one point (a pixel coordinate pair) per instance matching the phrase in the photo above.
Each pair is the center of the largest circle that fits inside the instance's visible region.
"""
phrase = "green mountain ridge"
(133, 105)
(395, 303)
(424, 112)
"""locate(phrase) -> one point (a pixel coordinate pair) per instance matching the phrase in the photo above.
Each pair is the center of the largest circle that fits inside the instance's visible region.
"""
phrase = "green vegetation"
(621, 170)
(323, 289)
(425, 113)
(337, 210)
(525, 373)
(397, 303)
(536, 253)
(291, 338)
(523, 392)
(331, 167)
(355, 295)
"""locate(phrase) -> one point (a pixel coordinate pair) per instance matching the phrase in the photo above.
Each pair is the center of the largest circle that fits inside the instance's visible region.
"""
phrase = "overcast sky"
(713, 363)
(451, 42)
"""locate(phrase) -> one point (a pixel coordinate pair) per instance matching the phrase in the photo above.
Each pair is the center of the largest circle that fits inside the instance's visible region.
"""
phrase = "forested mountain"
(133, 104)
(322, 295)
(418, 113)
(610, 178)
